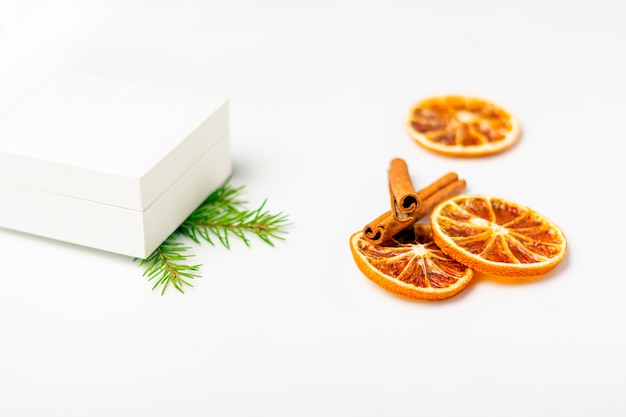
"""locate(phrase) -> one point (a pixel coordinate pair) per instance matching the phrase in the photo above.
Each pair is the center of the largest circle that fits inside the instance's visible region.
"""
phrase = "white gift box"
(110, 164)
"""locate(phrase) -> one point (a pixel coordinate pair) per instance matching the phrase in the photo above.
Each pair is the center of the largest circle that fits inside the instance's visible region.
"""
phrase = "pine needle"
(221, 215)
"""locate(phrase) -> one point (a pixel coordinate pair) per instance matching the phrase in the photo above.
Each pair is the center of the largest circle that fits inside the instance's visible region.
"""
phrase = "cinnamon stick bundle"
(388, 224)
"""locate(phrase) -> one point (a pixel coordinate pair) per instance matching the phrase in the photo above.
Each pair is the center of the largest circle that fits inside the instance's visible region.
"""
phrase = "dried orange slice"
(462, 126)
(410, 265)
(496, 236)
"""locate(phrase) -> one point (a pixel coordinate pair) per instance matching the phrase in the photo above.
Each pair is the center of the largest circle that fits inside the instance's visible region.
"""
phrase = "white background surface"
(318, 94)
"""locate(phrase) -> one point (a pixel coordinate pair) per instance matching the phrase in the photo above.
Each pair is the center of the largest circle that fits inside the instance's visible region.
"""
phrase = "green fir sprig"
(168, 264)
(221, 215)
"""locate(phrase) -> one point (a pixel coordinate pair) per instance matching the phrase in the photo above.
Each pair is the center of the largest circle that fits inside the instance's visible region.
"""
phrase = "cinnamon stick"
(431, 189)
(404, 198)
(382, 227)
